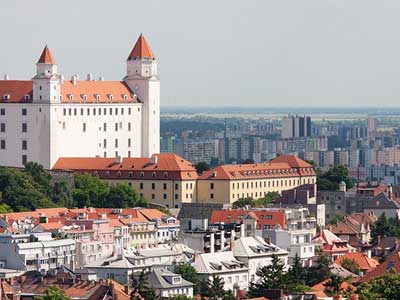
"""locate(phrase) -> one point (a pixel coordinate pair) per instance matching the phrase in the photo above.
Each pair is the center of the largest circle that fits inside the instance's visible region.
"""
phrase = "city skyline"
(287, 54)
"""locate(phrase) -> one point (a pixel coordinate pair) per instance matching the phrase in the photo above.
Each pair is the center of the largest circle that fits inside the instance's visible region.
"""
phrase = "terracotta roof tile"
(365, 263)
(391, 262)
(46, 57)
(141, 50)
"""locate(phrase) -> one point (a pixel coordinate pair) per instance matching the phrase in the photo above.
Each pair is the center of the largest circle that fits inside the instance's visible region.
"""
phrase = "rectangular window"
(116, 111)
(105, 127)
(105, 111)
(164, 186)
(212, 196)
(104, 143)
(129, 142)
(24, 159)
(129, 111)
(2, 144)
(88, 111)
(129, 126)
(110, 111)
(116, 143)
(129, 153)
(84, 127)
(2, 112)
(94, 111)
(69, 111)
(141, 185)
(24, 127)
(81, 111)
(24, 145)
(116, 126)
(176, 186)
(3, 127)
(122, 111)
(64, 111)
(153, 186)
(24, 111)
(211, 185)
(165, 196)
(75, 111)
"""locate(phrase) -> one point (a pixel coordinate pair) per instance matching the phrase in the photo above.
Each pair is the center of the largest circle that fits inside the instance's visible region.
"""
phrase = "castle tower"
(142, 78)
(46, 83)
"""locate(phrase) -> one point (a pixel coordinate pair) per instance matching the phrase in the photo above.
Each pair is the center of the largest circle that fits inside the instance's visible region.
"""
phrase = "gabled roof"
(364, 262)
(293, 161)
(381, 201)
(141, 50)
(392, 262)
(17, 90)
(46, 57)
(158, 278)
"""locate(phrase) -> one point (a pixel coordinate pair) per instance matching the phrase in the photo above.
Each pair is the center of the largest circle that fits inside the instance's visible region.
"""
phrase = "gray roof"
(198, 211)
(381, 201)
(161, 278)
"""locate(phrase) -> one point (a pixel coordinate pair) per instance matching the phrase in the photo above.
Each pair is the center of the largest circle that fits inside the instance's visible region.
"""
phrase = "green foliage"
(215, 288)
(351, 265)
(333, 286)
(271, 277)
(385, 287)
(318, 272)
(33, 187)
(336, 219)
(330, 180)
(189, 273)
(53, 292)
(269, 198)
(385, 227)
(201, 167)
(140, 287)
(215, 162)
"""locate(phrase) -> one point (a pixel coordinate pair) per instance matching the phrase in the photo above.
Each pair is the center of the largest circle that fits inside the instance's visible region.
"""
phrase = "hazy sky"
(220, 52)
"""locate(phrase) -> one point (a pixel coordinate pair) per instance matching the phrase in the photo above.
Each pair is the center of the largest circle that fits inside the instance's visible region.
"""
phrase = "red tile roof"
(141, 50)
(319, 288)
(237, 215)
(365, 263)
(391, 262)
(46, 57)
(285, 166)
(167, 166)
(17, 90)
(292, 160)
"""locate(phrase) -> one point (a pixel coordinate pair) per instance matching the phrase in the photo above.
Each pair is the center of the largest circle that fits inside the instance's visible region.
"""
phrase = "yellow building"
(229, 183)
(168, 180)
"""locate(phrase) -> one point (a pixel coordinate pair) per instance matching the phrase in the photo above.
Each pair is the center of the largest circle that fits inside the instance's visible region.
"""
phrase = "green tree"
(201, 167)
(333, 286)
(90, 191)
(40, 176)
(318, 272)
(215, 288)
(331, 179)
(336, 219)
(61, 193)
(385, 287)
(271, 277)
(123, 195)
(53, 292)
(384, 227)
(140, 287)
(189, 273)
(269, 198)
(351, 265)
(242, 202)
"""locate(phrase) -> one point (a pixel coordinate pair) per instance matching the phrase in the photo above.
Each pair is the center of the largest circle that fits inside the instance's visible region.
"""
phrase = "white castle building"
(50, 117)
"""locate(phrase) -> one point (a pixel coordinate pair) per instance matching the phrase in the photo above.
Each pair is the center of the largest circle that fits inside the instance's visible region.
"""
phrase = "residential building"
(229, 183)
(365, 263)
(168, 284)
(164, 179)
(382, 204)
(234, 273)
(256, 253)
(331, 245)
(296, 126)
(36, 252)
(46, 117)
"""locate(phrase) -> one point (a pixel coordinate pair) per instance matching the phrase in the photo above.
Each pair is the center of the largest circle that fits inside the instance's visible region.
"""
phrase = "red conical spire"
(46, 57)
(141, 50)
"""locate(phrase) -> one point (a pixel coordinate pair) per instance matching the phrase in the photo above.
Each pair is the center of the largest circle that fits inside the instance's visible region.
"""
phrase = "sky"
(252, 53)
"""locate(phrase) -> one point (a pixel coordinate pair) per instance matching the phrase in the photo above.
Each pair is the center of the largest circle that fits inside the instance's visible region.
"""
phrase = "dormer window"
(84, 97)
(107, 173)
(70, 97)
(176, 280)
(165, 174)
(6, 97)
(110, 97)
(141, 174)
(125, 97)
(27, 97)
(130, 174)
(97, 96)
(119, 174)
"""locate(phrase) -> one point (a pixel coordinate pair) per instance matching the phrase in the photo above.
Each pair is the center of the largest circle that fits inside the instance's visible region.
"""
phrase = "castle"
(49, 117)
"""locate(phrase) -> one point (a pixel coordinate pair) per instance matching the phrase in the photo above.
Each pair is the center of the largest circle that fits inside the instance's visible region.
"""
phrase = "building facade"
(44, 119)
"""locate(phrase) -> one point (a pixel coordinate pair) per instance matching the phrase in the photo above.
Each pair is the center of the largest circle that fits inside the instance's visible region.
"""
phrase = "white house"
(256, 253)
(45, 118)
(233, 272)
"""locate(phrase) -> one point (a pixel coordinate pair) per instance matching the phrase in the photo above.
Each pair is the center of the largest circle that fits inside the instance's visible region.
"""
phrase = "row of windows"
(116, 143)
(97, 111)
(117, 126)
(273, 183)
(24, 127)
(256, 195)
(153, 185)
(24, 145)
(24, 112)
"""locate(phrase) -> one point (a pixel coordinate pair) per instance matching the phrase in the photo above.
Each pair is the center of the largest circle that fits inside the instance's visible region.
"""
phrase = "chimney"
(89, 77)
(154, 159)
(101, 78)
(126, 289)
(6, 77)
(118, 159)
(74, 79)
